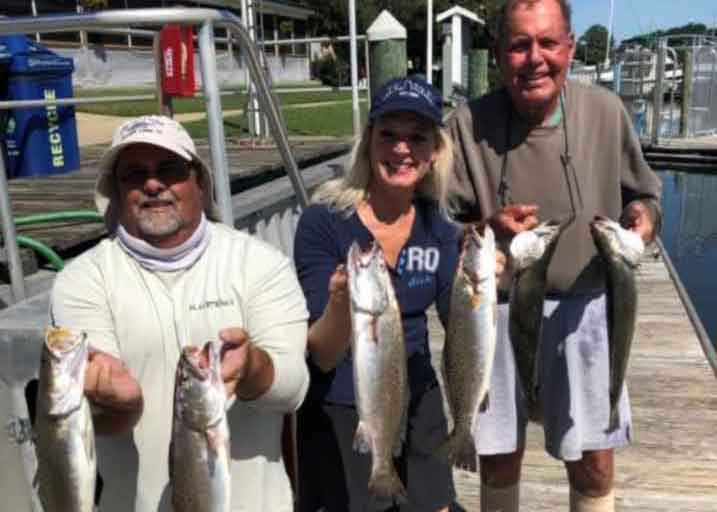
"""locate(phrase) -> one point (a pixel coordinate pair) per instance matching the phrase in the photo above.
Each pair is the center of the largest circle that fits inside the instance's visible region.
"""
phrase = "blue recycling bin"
(39, 141)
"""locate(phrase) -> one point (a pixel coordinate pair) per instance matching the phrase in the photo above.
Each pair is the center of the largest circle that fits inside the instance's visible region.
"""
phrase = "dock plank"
(672, 462)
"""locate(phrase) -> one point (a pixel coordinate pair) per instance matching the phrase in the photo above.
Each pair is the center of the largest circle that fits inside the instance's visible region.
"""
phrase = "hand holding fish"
(330, 335)
(247, 370)
(636, 217)
(110, 386)
(513, 219)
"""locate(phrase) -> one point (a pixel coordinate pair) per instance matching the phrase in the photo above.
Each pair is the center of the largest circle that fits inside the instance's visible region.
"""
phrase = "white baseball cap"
(160, 131)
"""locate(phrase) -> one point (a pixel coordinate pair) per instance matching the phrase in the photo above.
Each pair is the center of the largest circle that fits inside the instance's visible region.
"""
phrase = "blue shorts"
(574, 390)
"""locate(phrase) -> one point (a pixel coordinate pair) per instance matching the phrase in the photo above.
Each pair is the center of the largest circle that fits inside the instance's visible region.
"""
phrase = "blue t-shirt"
(423, 275)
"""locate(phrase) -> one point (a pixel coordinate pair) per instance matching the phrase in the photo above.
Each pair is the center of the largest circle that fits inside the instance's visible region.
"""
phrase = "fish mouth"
(196, 363)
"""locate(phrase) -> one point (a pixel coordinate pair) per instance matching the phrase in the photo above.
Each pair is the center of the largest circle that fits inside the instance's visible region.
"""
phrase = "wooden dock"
(671, 465)
(694, 153)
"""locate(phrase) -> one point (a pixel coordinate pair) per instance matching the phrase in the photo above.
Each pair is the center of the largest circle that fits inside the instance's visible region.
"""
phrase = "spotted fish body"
(530, 255)
(620, 250)
(200, 451)
(470, 342)
(379, 364)
(65, 439)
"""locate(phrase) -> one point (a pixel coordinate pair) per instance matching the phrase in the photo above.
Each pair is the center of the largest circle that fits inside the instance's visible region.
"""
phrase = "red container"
(177, 45)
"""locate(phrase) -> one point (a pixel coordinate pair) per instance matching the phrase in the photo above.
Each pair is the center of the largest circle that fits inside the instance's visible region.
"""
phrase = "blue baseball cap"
(411, 93)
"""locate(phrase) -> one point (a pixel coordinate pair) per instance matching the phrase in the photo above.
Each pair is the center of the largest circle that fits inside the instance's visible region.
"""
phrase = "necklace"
(570, 174)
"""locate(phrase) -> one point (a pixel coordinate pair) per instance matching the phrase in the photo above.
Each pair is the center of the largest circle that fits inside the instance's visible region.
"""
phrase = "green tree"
(591, 45)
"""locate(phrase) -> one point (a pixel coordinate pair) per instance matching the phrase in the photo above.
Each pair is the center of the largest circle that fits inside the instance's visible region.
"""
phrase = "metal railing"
(671, 91)
(207, 20)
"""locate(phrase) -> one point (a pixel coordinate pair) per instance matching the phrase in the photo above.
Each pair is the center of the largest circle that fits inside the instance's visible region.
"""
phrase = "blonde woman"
(392, 193)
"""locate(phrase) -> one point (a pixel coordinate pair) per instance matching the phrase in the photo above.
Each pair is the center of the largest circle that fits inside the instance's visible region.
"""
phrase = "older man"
(170, 276)
(543, 147)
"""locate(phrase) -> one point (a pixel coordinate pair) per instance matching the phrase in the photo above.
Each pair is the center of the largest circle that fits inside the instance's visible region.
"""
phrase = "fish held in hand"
(200, 451)
(620, 250)
(469, 348)
(379, 364)
(65, 439)
(530, 255)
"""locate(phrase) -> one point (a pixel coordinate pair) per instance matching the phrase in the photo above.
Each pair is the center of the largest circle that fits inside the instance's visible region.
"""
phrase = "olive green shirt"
(606, 171)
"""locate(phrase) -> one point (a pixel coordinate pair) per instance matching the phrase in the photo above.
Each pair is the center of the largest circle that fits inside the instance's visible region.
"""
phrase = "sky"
(633, 17)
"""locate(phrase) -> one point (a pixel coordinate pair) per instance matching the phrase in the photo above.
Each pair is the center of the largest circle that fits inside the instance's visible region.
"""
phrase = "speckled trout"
(65, 438)
(200, 452)
(379, 363)
(469, 349)
(620, 250)
(530, 255)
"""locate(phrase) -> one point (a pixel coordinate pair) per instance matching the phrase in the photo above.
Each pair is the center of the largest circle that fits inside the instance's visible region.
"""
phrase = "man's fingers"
(233, 335)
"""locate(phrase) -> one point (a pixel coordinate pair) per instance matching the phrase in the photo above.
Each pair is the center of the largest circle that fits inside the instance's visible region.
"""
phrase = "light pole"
(429, 42)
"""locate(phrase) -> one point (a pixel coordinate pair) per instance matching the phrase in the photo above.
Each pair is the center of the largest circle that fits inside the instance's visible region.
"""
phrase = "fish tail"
(614, 423)
(385, 483)
(363, 440)
(459, 450)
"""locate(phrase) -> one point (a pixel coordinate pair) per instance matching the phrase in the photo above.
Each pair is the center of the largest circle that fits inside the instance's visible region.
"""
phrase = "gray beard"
(155, 224)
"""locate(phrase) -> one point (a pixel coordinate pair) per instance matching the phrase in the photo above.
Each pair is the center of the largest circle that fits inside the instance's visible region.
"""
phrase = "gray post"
(164, 101)
(12, 252)
(356, 113)
(477, 73)
(687, 83)
(617, 78)
(213, 104)
(658, 91)
(387, 49)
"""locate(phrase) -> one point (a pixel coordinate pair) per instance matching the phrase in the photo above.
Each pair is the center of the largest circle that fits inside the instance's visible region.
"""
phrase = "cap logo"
(147, 125)
(408, 88)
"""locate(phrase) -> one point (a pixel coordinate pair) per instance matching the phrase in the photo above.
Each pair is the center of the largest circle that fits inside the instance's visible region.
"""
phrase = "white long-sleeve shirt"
(145, 319)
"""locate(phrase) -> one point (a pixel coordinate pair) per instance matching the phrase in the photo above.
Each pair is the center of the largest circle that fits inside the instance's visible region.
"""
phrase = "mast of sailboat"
(609, 33)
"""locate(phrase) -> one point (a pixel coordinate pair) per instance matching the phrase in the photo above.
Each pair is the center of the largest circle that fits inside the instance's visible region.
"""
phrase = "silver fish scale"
(65, 442)
(470, 343)
(379, 363)
(200, 450)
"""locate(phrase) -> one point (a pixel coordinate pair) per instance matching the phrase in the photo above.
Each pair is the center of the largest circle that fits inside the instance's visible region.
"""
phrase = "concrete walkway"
(98, 129)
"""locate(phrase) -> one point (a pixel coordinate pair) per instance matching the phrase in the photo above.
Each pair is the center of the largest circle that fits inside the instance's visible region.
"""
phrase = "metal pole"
(429, 42)
(609, 32)
(687, 83)
(12, 251)
(354, 69)
(657, 91)
(213, 104)
(367, 67)
(278, 129)
(33, 6)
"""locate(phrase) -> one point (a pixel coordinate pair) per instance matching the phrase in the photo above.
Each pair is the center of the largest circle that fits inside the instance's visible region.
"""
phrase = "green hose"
(42, 218)
(70, 215)
(48, 253)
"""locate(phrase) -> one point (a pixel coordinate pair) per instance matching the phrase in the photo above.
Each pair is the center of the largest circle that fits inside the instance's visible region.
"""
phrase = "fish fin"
(384, 482)
(483, 407)
(363, 440)
(614, 423)
(460, 451)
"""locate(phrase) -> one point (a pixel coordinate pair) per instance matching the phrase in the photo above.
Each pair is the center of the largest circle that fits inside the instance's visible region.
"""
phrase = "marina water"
(689, 233)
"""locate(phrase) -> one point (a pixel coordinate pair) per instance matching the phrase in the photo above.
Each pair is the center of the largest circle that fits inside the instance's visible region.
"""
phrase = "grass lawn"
(186, 105)
(331, 120)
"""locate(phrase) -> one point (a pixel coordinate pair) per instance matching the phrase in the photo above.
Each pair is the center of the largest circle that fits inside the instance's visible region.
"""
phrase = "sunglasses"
(168, 172)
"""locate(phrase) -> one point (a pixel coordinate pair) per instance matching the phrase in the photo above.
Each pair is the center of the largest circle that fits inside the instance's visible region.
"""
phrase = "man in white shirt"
(171, 276)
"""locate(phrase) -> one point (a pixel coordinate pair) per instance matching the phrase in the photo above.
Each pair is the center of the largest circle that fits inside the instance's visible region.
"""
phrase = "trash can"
(39, 141)
(5, 57)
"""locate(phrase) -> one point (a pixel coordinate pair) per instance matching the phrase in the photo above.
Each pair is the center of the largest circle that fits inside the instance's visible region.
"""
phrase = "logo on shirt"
(211, 304)
(421, 262)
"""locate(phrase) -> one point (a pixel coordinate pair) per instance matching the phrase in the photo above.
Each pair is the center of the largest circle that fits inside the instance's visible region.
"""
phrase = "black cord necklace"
(571, 177)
